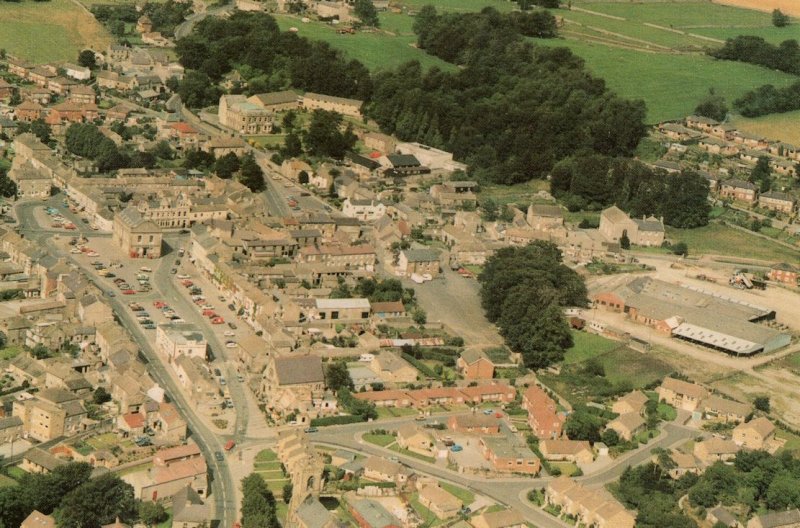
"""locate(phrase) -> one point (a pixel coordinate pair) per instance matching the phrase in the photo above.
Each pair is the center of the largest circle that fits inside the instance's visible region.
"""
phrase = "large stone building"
(243, 116)
(136, 236)
(614, 224)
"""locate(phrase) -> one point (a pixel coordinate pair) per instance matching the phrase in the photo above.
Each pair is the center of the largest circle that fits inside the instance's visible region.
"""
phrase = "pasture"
(53, 31)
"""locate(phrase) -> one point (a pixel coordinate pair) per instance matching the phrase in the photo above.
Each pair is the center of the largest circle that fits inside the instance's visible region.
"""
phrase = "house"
(380, 142)
(312, 514)
(678, 132)
(542, 217)
(755, 434)
(31, 179)
(352, 310)
(474, 423)
(11, 428)
(6, 89)
(508, 456)
(341, 105)
(82, 94)
(706, 124)
(724, 410)
(614, 223)
(238, 114)
(783, 272)
(80, 73)
(681, 394)
(495, 392)
(221, 145)
(28, 111)
(189, 510)
(37, 460)
(364, 210)
(412, 437)
(293, 382)
(591, 507)
(576, 451)
(383, 470)
(419, 261)
(276, 101)
(720, 515)
(402, 165)
(167, 480)
(176, 339)
(384, 310)
(137, 237)
(683, 463)
(715, 449)
(627, 425)
(543, 417)
(739, 190)
(38, 520)
(776, 201)
(780, 519)
(370, 514)
(393, 369)
(474, 364)
(633, 402)
(499, 519)
(438, 500)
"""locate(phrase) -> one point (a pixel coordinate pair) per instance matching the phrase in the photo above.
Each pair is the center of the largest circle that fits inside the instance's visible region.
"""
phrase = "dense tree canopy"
(86, 140)
(258, 504)
(97, 502)
(712, 106)
(251, 175)
(366, 12)
(523, 290)
(596, 181)
(324, 136)
(755, 50)
(769, 100)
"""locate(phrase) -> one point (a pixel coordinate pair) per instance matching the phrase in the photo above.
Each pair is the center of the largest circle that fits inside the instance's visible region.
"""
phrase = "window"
(364, 315)
(334, 315)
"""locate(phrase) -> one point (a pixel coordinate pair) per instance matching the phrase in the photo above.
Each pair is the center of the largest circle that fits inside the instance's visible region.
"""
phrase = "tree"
(163, 150)
(8, 187)
(779, 19)
(762, 403)
(292, 146)
(713, 106)
(151, 513)
(258, 504)
(287, 492)
(325, 138)
(624, 241)
(581, 425)
(366, 12)
(337, 376)
(680, 249)
(86, 59)
(97, 502)
(490, 210)
(251, 175)
(41, 352)
(3, 340)
(101, 396)
(610, 437)
(197, 90)
(226, 165)
(783, 492)
(419, 316)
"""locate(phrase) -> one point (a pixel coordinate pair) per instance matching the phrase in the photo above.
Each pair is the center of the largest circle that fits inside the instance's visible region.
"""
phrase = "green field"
(719, 239)
(783, 127)
(465, 496)
(51, 31)
(10, 352)
(587, 346)
(381, 440)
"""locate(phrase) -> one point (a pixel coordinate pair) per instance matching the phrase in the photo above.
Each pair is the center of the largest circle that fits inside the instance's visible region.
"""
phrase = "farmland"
(54, 31)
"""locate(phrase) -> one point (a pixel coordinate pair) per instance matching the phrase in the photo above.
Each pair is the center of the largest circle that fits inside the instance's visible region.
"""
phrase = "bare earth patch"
(789, 7)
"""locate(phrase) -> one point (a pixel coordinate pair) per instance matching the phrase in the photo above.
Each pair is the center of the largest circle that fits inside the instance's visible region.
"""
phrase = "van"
(145, 269)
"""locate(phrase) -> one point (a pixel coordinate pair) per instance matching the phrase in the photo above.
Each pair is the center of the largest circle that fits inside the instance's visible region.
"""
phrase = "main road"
(511, 491)
(223, 487)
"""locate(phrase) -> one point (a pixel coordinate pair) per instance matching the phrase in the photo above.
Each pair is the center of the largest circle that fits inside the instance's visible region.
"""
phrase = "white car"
(231, 344)
(229, 333)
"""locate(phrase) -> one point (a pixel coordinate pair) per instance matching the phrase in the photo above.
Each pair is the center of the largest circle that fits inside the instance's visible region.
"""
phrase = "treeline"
(87, 141)
(523, 291)
(68, 493)
(259, 509)
(165, 16)
(512, 111)
(269, 59)
(769, 100)
(452, 36)
(596, 181)
(784, 57)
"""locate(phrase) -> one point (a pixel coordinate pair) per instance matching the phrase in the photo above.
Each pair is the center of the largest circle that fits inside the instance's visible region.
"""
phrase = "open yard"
(588, 345)
(52, 31)
(719, 239)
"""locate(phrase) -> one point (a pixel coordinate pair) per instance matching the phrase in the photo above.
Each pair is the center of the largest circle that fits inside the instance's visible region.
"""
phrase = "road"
(223, 487)
(511, 491)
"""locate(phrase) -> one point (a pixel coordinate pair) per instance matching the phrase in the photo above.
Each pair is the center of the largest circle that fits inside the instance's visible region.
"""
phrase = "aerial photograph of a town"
(399, 264)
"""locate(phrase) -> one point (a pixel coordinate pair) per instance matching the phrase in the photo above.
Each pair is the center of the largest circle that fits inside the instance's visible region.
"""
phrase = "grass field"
(587, 346)
(783, 127)
(267, 455)
(52, 31)
(719, 239)
(465, 496)
(382, 440)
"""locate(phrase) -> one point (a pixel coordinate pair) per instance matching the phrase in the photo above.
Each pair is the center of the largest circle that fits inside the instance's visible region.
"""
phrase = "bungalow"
(682, 464)
(543, 418)
(777, 201)
(412, 437)
(720, 516)
(506, 456)
(80, 73)
(755, 434)
(724, 410)
(370, 514)
(386, 398)
(393, 369)
(783, 272)
(705, 124)
(474, 423)
(384, 310)
(627, 425)
(738, 190)
(633, 402)
(783, 167)
(577, 451)
(715, 449)
(382, 470)
(499, 519)
(784, 150)
(681, 394)
(778, 519)
(439, 501)
(419, 261)
(750, 140)
(495, 392)
(475, 364)
(678, 132)
(714, 145)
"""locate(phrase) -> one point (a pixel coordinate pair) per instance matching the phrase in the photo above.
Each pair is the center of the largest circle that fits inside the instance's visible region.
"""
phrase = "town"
(225, 301)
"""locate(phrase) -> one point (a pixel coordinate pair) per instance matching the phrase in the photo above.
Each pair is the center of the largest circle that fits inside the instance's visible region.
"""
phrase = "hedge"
(337, 420)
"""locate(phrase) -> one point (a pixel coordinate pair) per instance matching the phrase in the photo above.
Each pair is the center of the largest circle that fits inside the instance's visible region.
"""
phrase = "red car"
(159, 304)
(187, 283)
(208, 313)
(128, 292)
(217, 320)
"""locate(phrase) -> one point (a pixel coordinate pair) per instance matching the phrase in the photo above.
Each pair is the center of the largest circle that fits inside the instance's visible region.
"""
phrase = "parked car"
(219, 456)
(231, 325)
(218, 320)
(456, 448)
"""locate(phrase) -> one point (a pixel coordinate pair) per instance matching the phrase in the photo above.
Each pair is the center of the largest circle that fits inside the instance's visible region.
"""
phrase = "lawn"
(465, 496)
(428, 516)
(16, 472)
(458, 5)
(521, 193)
(10, 352)
(719, 239)
(104, 441)
(6, 482)
(406, 452)
(382, 440)
(670, 84)
(792, 440)
(392, 412)
(567, 468)
(267, 455)
(586, 346)
(380, 50)
(54, 31)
